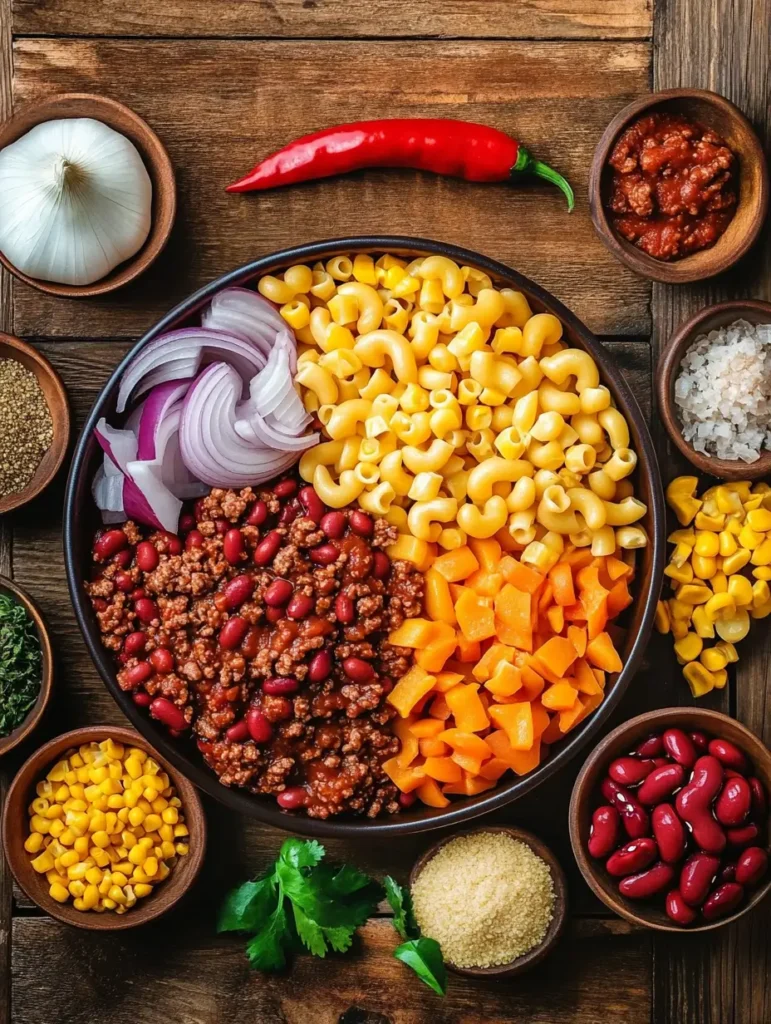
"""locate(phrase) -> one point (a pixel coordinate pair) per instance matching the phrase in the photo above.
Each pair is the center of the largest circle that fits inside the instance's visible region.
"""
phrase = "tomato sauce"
(673, 190)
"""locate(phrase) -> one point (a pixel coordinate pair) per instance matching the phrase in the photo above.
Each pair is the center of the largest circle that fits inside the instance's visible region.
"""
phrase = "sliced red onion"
(179, 355)
(154, 410)
(258, 431)
(245, 314)
(107, 489)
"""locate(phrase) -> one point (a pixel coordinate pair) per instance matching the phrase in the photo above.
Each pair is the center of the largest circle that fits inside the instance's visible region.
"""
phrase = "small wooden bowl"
(707, 320)
(51, 385)
(586, 799)
(16, 829)
(558, 921)
(120, 118)
(729, 122)
(21, 732)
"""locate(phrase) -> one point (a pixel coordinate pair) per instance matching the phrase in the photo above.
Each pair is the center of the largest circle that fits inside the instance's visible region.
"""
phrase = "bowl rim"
(672, 716)
(38, 709)
(668, 366)
(681, 271)
(37, 762)
(472, 807)
(61, 439)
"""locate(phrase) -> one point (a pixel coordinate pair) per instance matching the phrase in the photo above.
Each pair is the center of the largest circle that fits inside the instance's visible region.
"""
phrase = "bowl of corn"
(100, 832)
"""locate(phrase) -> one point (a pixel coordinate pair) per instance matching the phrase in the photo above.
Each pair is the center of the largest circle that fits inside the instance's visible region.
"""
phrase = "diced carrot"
(513, 636)
(578, 558)
(405, 779)
(559, 697)
(456, 589)
(556, 617)
(532, 682)
(545, 599)
(467, 650)
(577, 637)
(456, 565)
(433, 657)
(466, 743)
(410, 688)
(561, 579)
(437, 598)
(443, 769)
(556, 655)
(599, 675)
(430, 793)
(446, 680)
(426, 728)
(540, 719)
(552, 733)
(433, 748)
(517, 722)
(483, 582)
(512, 606)
(601, 652)
(408, 740)
(506, 681)
(616, 568)
(488, 663)
(467, 708)
(596, 604)
(418, 709)
(487, 553)
(469, 785)
(619, 598)
(519, 575)
(584, 679)
(571, 717)
(412, 550)
(439, 708)
(591, 701)
(468, 763)
(520, 761)
(493, 769)
(475, 619)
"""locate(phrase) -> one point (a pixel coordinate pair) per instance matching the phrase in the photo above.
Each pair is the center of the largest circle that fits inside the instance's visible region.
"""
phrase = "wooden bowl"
(585, 799)
(16, 829)
(558, 921)
(51, 385)
(120, 118)
(35, 713)
(707, 320)
(728, 121)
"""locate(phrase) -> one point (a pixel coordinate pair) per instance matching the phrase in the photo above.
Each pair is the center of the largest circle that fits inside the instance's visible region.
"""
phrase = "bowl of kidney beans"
(669, 820)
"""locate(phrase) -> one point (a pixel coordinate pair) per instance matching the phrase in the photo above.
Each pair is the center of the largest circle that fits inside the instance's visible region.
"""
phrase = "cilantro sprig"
(422, 954)
(20, 661)
(299, 902)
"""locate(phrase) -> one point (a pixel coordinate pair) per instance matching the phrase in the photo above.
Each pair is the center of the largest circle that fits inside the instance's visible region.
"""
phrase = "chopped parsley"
(422, 954)
(20, 664)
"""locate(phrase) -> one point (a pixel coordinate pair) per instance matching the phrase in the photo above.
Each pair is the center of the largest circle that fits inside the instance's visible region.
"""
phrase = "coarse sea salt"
(723, 392)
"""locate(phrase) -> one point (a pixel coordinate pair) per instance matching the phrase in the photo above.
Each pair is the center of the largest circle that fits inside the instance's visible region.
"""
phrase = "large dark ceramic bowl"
(81, 519)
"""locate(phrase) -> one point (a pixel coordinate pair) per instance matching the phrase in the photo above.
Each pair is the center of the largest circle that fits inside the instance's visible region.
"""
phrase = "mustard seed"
(26, 428)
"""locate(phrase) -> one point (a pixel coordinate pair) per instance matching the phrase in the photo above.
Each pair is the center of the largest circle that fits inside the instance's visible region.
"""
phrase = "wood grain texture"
(206, 980)
(727, 48)
(219, 106)
(520, 19)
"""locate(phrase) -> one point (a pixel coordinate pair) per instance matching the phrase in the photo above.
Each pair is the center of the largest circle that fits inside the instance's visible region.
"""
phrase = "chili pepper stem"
(527, 164)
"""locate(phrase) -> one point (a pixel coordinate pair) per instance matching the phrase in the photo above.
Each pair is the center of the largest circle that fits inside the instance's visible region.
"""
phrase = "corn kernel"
(69, 858)
(90, 897)
(81, 845)
(43, 863)
(59, 893)
(118, 878)
(94, 876)
(181, 829)
(688, 648)
(152, 822)
(109, 904)
(713, 659)
(166, 832)
(150, 866)
(77, 871)
(136, 816)
(141, 889)
(699, 679)
(34, 842)
(167, 849)
(171, 815)
(39, 824)
(182, 849)
(740, 589)
(76, 888)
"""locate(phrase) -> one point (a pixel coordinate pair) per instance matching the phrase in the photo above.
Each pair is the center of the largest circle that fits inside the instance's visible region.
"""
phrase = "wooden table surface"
(223, 82)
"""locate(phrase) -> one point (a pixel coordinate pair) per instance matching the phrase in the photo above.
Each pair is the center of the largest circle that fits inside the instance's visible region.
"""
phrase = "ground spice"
(486, 898)
(26, 428)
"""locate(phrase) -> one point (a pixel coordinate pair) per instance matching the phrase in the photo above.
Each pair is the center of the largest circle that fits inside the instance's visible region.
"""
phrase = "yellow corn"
(704, 568)
(705, 521)
(713, 659)
(699, 679)
(762, 553)
(661, 620)
(707, 544)
(693, 594)
(679, 573)
(734, 627)
(759, 519)
(701, 623)
(719, 582)
(689, 648)
(721, 678)
(679, 629)
(733, 563)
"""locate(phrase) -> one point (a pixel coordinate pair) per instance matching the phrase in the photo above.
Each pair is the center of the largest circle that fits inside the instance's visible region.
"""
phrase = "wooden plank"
(219, 106)
(709, 46)
(125, 977)
(521, 19)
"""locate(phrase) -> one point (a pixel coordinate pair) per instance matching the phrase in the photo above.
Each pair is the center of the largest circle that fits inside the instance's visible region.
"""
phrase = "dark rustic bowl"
(21, 732)
(557, 925)
(80, 521)
(728, 121)
(707, 320)
(123, 120)
(51, 385)
(16, 829)
(584, 800)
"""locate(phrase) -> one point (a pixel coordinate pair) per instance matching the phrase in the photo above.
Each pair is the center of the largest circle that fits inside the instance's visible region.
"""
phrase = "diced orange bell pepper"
(485, 583)
(540, 719)
(467, 708)
(571, 717)
(466, 743)
(456, 565)
(426, 728)
(520, 761)
(488, 663)
(475, 618)
(591, 701)
(469, 785)
(578, 558)
(408, 740)
(557, 655)
(619, 598)
(409, 690)
(575, 612)
(433, 748)
(561, 579)
(556, 617)
(532, 681)
(552, 733)
(577, 637)
(443, 769)
(520, 575)
(468, 651)
(430, 793)
(487, 553)
(437, 599)
(507, 542)
(493, 769)
(405, 779)
(545, 600)
(617, 569)
(517, 722)
(446, 680)
(439, 708)
(506, 681)
(559, 697)
(468, 763)
(584, 678)
(601, 652)
(433, 657)
(415, 633)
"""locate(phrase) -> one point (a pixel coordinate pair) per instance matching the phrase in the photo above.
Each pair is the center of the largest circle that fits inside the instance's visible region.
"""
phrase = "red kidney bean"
(162, 660)
(358, 670)
(194, 540)
(146, 609)
(274, 614)
(407, 799)
(280, 709)
(258, 514)
(138, 594)
(669, 833)
(198, 510)
(739, 837)
(694, 804)
(729, 773)
(628, 771)
(324, 554)
(138, 673)
(221, 526)
(300, 606)
(267, 549)
(233, 546)
(173, 543)
(344, 609)
(292, 798)
(238, 733)
(652, 747)
(280, 686)
(333, 525)
(312, 504)
(289, 513)
(699, 741)
(259, 727)
(186, 522)
(734, 801)
(381, 565)
(661, 783)
(722, 901)
(134, 644)
(634, 817)
(320, 666)
(123, 558)
(631, 858)
(729, 755)
(361, 523)
(677, 909)
(285, 488)
(142, 699)
(238, 590)
(232, 633)
(167, 713)
(123, 581)
(603, 834)
(751, 865)
(278, 593)
(696, 878)
(679, 747)
(109, 544)
(758, 798)
(647, 883)
(728, 873)
(661, 761)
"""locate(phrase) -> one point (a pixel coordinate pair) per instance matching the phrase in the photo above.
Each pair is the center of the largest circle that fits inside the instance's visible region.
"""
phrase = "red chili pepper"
(460, 149)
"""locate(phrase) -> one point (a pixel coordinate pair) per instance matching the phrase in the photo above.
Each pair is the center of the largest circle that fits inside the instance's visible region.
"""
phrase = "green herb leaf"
(400, 902)
(247, 907)
(267, 950)
(20, 664)
(425, 958)
(317, 939)
(302, 853)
